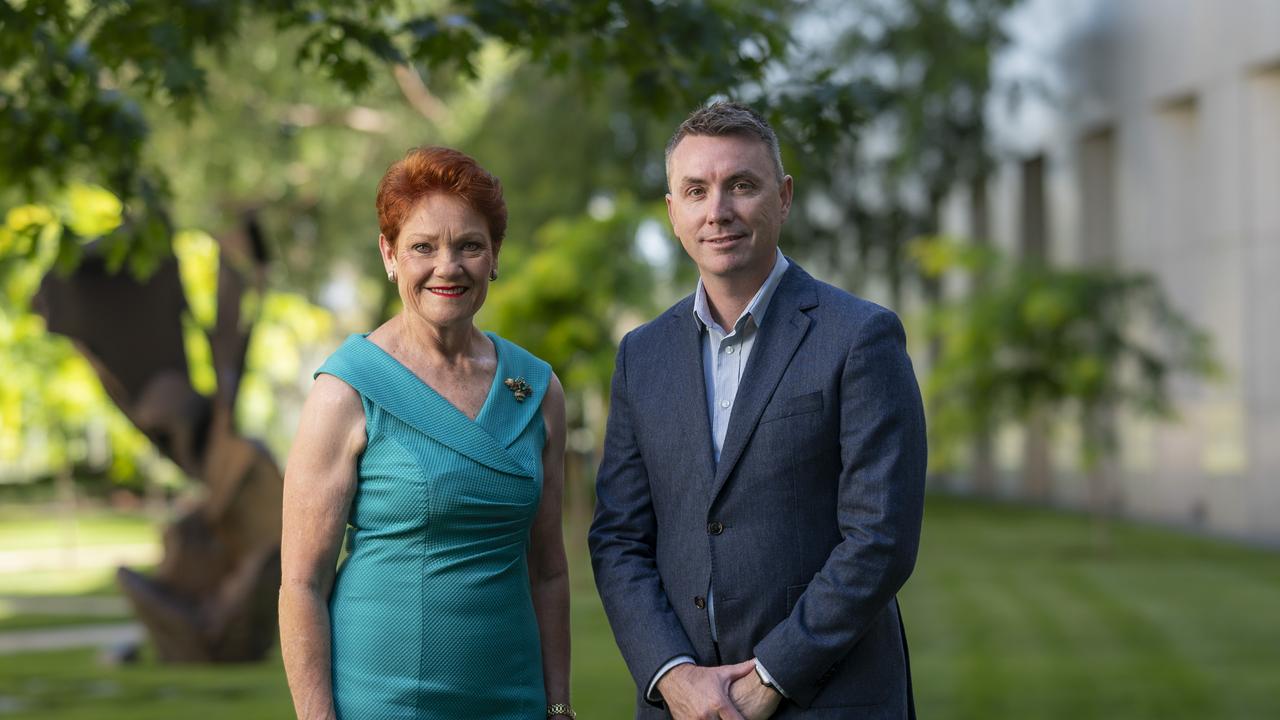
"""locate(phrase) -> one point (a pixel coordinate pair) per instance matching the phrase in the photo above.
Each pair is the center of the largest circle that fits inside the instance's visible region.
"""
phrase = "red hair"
(435, 169)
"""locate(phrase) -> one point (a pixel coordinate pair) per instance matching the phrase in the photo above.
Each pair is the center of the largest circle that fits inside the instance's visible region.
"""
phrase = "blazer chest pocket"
(792, 406)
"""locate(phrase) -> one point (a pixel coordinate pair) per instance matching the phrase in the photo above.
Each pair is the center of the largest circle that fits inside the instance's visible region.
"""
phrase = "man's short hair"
(724, 118)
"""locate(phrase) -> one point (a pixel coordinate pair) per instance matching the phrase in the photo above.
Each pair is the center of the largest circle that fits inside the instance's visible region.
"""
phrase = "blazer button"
(715, 527)
(700, 602)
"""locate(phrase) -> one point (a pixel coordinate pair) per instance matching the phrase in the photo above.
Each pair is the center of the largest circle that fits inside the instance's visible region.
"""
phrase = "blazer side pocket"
(792, 406)
(793, 595)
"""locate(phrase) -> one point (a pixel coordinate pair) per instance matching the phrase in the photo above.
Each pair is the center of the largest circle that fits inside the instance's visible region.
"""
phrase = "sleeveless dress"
(431, 612)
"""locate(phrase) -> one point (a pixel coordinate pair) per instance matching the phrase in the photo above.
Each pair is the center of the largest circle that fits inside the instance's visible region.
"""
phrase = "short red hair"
(434, 169)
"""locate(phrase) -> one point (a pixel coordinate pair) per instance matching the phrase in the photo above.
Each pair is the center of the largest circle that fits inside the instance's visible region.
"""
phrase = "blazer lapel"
(689, 391)
(784, 327)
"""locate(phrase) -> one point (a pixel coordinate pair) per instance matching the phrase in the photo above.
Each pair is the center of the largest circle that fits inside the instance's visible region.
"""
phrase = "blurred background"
(1075, 207)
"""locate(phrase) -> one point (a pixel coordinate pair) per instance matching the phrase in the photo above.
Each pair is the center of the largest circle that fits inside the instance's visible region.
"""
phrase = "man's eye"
(695, 192)
(743, 186)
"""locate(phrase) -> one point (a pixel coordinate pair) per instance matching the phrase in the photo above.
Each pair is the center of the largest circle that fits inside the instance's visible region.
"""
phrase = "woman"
(442, 448)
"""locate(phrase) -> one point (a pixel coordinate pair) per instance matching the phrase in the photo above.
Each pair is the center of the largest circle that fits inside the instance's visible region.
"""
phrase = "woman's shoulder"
(352, 359)
(516, 357)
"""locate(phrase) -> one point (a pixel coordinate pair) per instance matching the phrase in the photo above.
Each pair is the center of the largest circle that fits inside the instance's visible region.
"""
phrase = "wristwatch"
(765, 681)
(562, 709)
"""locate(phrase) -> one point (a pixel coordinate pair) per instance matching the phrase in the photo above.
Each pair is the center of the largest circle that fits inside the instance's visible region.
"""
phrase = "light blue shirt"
(725, 353)
(724, 359)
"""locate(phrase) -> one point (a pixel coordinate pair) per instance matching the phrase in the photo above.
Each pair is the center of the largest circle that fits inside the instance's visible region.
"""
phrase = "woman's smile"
(451, 291)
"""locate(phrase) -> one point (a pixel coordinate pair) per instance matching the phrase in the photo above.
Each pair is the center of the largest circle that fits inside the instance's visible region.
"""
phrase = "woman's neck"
(436, 345)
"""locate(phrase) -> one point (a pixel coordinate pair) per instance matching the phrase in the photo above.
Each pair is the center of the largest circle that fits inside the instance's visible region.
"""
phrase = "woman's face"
(442, 260)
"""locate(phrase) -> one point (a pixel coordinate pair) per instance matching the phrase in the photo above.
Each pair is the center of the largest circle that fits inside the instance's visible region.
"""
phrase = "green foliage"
(1026, 337)
(54, 412)
(562, 298)
(288, 334)
(920, 74)
(87, 81)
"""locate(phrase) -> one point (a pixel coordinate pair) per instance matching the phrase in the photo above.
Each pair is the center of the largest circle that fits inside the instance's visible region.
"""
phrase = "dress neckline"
(432, 392)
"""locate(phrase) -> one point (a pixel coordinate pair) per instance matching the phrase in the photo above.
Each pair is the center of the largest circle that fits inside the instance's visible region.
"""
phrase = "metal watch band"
(561, 709)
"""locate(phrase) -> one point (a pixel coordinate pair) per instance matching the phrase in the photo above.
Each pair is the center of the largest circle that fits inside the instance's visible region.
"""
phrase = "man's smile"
(721, 240)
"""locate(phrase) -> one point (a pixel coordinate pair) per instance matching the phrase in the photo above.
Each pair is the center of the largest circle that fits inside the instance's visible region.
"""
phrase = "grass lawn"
(23, 528)
(1012, 613)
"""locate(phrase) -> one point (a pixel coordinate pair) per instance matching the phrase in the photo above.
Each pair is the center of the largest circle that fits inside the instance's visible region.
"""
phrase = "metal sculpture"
(213, 596)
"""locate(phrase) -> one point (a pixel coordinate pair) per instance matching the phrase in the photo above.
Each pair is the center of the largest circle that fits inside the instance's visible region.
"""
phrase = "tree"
(924, 72)
(1031, 339)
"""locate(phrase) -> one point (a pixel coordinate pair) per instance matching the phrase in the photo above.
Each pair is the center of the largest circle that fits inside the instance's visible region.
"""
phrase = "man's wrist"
(762, 674)
(653, 694)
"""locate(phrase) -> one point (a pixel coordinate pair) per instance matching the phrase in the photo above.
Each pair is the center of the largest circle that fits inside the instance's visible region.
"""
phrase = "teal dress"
(431, 611)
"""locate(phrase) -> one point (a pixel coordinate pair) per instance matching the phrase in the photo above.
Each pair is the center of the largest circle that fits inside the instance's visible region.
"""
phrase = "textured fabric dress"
(431, 611)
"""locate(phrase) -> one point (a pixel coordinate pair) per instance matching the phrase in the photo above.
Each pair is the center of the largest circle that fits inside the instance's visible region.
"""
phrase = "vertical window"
(1098, 197)
(1033, 233)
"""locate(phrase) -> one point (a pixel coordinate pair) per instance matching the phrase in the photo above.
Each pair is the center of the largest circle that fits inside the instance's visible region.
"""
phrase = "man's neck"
(727, 298)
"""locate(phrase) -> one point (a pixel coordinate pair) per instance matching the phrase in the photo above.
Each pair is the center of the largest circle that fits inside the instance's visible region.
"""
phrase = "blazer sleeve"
(623, 539)
(879, 506)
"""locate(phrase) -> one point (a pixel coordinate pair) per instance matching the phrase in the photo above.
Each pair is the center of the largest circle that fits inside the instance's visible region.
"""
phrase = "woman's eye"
(421, 247)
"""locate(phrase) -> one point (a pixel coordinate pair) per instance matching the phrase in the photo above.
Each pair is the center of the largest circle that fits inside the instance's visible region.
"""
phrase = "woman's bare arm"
(548, 569)
(319, 482)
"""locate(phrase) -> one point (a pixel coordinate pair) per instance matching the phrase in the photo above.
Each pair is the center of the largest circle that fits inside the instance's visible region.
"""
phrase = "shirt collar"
(755, 309)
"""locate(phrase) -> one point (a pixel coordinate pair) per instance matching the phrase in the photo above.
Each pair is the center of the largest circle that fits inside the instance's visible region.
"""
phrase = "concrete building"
(1158, 149)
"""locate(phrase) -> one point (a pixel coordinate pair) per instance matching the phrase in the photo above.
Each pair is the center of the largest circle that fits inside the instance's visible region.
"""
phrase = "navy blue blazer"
(806, 528)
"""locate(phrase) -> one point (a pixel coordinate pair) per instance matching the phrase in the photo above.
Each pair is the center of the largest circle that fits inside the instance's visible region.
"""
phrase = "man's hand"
(754, 699)
(693, 692)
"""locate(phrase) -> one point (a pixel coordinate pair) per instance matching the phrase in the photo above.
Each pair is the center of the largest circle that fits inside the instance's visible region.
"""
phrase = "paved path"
(105, 605)
(81, 557)
(80, 636)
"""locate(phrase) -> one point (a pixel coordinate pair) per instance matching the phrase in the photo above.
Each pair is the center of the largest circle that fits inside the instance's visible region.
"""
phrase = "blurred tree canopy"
(86, 82)
(180, 117)
(924, 70)
(1030, 338)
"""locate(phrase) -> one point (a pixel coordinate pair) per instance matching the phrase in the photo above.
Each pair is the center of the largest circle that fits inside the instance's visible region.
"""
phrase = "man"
(760, 495)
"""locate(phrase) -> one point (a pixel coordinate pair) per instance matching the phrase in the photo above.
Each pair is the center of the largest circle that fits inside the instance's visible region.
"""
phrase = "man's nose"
(719, 209)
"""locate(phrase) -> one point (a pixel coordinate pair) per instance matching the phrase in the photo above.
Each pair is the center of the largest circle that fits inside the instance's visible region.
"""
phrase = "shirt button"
(724, 404)
(700, 602)
(715, 527)
(729, 350)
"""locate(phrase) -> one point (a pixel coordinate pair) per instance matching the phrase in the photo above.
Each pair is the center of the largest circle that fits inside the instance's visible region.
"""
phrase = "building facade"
(1157, 148)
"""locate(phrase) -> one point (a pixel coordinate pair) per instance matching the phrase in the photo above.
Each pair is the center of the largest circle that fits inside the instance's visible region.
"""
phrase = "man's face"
(726, 205)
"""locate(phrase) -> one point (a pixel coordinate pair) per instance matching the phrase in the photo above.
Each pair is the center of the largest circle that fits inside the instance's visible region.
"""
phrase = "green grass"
(23, 528)
(79, 581)
(73, 686)
(1016, 613)
(44, 528)
(1012, 613)
(45, 622)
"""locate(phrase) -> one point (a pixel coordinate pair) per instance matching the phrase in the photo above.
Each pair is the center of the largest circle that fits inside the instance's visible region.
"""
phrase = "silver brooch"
(519, 387)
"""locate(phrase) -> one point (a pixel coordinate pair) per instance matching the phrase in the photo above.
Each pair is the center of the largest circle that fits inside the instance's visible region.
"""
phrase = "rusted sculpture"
(213, 597)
